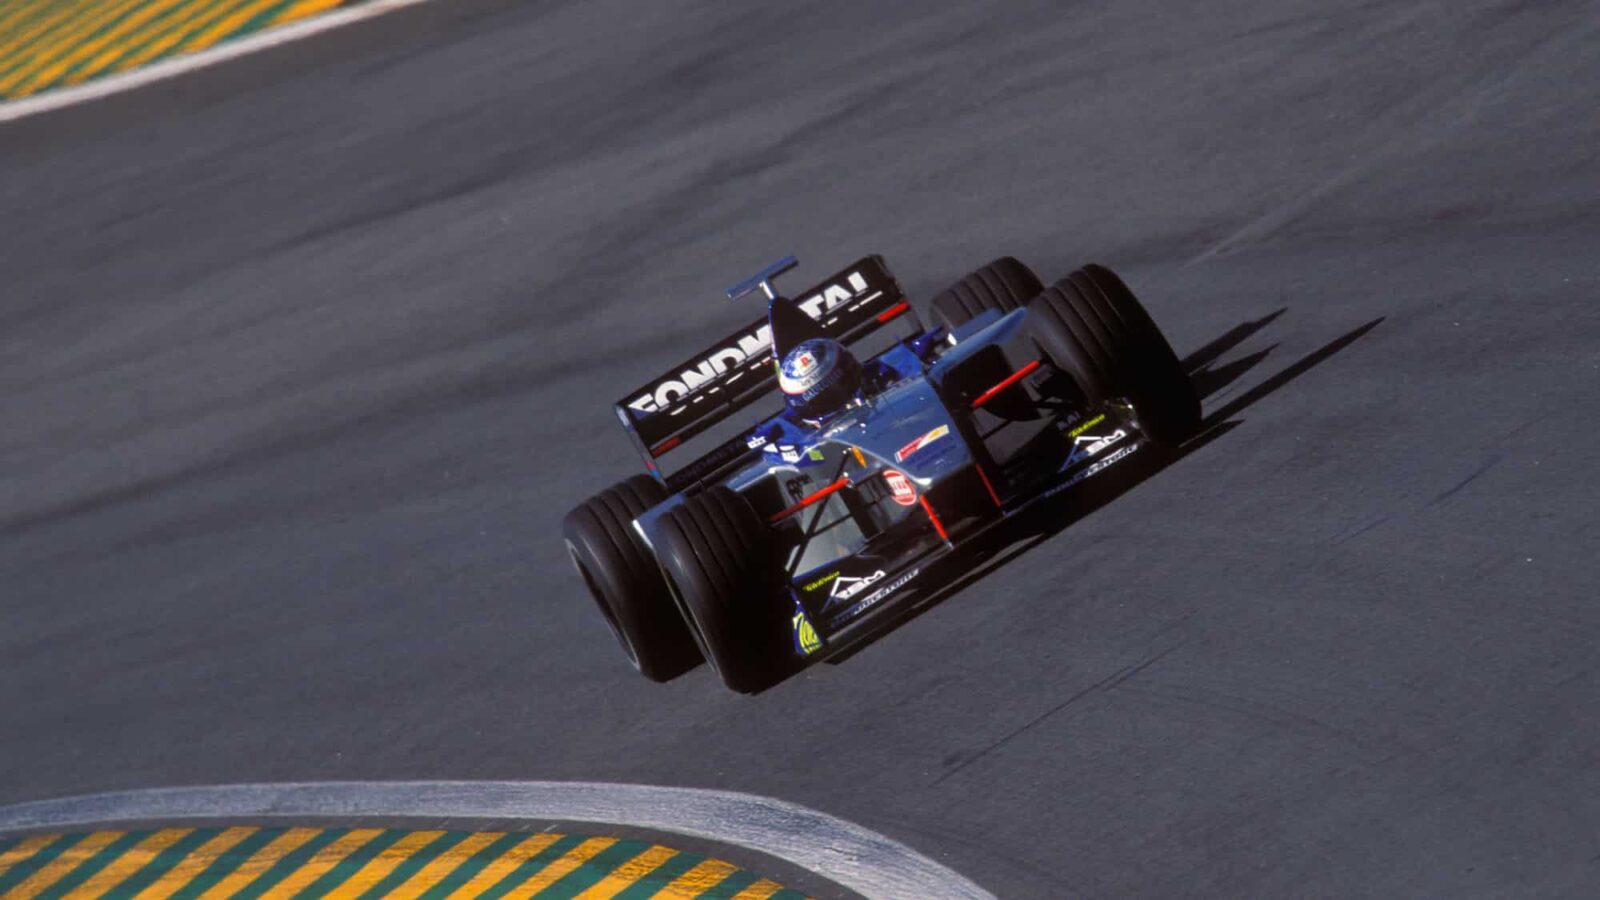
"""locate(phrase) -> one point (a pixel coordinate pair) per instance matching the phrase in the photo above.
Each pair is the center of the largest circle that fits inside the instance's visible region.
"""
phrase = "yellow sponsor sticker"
(1085, 426)
(805, 636)
(919, 443)
(819, 582)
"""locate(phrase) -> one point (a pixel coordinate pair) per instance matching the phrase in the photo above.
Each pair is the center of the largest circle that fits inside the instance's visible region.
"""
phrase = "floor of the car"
(1027, 451)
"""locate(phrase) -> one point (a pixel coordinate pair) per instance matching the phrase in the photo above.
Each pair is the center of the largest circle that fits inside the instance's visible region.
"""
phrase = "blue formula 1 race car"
(792, 539)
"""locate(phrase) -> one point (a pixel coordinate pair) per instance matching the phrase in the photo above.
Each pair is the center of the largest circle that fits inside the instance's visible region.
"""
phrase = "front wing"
(849, 601)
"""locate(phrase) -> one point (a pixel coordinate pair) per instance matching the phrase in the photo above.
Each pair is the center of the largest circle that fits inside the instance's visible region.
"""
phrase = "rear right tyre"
(624, 580)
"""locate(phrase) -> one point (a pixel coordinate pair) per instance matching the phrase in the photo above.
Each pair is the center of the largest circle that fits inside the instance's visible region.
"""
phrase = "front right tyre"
(721, 563)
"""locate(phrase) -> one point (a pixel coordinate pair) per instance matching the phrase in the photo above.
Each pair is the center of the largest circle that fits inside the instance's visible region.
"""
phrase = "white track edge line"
(181, 65)
(843, 852)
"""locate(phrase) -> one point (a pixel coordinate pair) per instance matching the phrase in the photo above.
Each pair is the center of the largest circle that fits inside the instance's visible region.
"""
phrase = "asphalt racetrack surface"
(303, 358)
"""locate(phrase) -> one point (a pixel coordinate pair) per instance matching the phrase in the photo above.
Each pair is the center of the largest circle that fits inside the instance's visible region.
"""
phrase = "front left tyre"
(624, 580)
(1094, 328)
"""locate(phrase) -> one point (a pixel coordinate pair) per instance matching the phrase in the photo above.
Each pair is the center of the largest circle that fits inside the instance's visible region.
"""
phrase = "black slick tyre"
(624, 580)
(1003, 285)
(718, 556)
(1093, 328)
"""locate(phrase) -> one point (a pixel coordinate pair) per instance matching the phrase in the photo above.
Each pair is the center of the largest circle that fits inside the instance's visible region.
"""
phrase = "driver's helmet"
(818, 377)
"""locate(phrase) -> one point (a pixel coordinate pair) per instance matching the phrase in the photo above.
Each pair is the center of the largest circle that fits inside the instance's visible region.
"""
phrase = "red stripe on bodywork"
(811, 498)
(934, 518)
(893, 311)
(1009, 380)
(984, 475)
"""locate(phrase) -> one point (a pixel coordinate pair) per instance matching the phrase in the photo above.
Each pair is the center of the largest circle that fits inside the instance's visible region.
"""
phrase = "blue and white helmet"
(817, 377)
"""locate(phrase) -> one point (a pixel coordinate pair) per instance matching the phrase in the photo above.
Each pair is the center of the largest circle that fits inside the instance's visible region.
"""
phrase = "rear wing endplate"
(738, 370)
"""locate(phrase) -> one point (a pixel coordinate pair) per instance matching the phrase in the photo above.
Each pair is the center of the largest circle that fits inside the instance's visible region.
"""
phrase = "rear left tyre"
(624, 580)
(1002, 285)
(720, 560)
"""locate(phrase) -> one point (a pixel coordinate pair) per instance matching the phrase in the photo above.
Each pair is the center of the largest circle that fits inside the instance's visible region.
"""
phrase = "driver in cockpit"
(819, 379)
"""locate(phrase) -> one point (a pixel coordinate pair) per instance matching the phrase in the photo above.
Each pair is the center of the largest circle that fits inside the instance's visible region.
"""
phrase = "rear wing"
(738, 370)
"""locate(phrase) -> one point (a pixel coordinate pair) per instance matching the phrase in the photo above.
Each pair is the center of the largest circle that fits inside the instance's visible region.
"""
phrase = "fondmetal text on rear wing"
(738, 370)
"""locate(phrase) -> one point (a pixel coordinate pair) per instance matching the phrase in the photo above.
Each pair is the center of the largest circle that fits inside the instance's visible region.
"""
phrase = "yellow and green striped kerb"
(48, 44)
(243, 862)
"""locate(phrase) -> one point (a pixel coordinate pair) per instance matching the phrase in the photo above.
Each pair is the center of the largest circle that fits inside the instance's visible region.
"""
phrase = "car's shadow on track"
(1033, 527)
